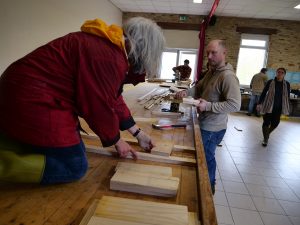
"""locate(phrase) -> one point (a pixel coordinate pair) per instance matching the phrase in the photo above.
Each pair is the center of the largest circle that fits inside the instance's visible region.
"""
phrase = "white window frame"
(265, 38)
(179, 52)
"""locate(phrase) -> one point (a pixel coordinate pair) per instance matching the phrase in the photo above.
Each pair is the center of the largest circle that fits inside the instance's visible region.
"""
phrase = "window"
(252, 56)
(175, 57)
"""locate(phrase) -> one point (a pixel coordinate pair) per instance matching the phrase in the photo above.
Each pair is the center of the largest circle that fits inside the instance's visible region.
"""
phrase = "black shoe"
(264, 143)
(213, 190)
(248, 114)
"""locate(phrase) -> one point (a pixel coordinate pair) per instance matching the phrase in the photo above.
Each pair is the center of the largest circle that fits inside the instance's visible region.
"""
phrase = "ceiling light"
(197, 1)
(297, 7)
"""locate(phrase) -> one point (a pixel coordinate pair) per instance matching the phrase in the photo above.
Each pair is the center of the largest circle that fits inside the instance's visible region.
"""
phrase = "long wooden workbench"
(68, 203)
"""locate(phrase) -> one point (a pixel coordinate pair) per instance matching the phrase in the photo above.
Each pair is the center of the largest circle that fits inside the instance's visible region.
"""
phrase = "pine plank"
(142, 211)
(162, 114)
(162, 149)
(144, 156)
(96, 220)
(89, 214)
(147, 94)
(159, 170)
(144, 183)
(182, 147)
(193, 219)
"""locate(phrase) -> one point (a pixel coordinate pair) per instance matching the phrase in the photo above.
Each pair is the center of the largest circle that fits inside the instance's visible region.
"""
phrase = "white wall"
(27, 24)
(181, 39)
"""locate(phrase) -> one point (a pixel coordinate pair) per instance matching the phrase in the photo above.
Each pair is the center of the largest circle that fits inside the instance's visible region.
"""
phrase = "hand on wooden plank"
(145, 141)
(123, 148)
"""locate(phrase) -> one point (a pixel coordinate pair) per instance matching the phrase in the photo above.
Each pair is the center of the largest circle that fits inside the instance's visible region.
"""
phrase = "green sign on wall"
(183, 17)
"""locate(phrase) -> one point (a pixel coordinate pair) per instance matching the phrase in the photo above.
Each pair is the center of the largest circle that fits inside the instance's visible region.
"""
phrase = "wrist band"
(137, 132)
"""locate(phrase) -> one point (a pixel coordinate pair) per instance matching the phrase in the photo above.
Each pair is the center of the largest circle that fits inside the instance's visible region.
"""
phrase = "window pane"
(168, 62)
(250, 62)
(257, 43)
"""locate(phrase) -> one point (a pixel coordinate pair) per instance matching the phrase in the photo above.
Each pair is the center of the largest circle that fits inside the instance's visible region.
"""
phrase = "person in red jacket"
(184, 71)
(80, 74)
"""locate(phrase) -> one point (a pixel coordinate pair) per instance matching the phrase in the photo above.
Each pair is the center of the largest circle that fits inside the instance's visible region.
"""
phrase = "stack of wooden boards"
(145, 179)
(120, 211)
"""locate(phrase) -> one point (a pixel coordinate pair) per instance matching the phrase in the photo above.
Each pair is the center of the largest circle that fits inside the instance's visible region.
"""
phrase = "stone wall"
(284, 47)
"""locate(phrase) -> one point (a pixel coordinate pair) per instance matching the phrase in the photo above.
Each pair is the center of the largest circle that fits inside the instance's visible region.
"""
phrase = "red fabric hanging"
(203, 27)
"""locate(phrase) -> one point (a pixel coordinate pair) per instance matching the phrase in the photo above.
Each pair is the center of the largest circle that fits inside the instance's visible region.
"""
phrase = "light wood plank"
(90, 212)
(173, 114)
(144, 156)
(162, 149)
(144, 183)
(96, 220)
(142, 211)
(182, 147)
(193, 219)
(135, 142)
(159, 170)
(144, 96)
(190, 101)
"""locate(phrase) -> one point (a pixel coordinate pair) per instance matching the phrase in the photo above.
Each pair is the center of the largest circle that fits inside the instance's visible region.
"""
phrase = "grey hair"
(146, 43)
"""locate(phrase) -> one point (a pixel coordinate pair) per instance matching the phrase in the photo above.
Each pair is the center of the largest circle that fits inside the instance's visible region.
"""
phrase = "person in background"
(273, 102)
(184, 71)
(80, 74)
(257, 85)
(219, 94)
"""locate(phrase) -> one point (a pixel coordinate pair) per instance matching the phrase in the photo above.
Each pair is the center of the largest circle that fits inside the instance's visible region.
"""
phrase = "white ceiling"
(267, 9)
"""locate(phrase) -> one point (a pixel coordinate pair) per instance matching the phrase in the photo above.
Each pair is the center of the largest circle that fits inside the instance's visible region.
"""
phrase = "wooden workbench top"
(67, 203)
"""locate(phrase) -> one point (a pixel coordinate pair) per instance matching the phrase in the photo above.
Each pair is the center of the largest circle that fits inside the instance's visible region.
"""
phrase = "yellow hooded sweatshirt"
(98, 27)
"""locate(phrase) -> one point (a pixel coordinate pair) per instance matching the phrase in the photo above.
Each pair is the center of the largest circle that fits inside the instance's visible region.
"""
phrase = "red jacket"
(43, 93)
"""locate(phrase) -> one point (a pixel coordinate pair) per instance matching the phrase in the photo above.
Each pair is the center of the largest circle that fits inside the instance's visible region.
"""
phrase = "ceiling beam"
(179, 26)
(255, 30)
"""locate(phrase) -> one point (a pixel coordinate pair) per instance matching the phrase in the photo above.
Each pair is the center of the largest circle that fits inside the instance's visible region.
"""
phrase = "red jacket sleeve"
(125, 119)
(101, 70)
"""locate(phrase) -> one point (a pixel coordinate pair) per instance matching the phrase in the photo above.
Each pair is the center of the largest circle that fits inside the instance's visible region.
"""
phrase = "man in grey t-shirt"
(257, 85)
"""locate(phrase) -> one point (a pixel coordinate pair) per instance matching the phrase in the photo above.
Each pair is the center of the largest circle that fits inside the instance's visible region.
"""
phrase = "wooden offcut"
(183, 148)
(173, 114)
(144, 156)
(190, 101)
(144, 183)
(162, 149)
(143, 212)
(144, 179)
(134, 141)
(136, 167)
(146, 95)
(96, 220)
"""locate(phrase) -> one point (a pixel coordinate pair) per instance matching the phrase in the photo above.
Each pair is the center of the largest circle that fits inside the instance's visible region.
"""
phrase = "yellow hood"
(98, 27)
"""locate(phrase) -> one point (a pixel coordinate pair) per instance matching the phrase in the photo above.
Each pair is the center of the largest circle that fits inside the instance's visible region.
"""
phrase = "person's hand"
(202, 105)
(181, 94)
(145, 141)
(258, 108)
(123, 148)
